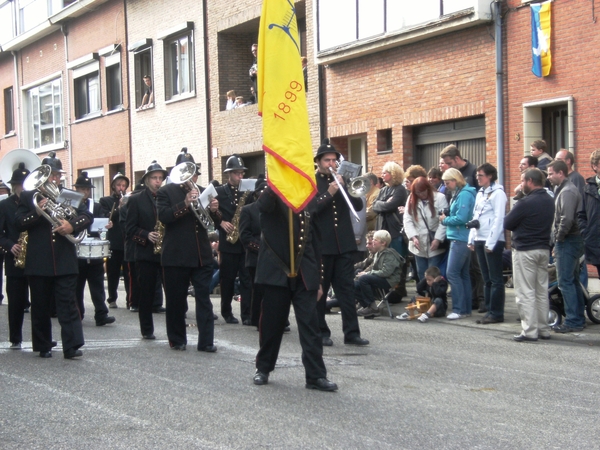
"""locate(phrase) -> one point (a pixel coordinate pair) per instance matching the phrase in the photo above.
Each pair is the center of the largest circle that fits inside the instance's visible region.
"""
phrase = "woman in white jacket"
(487, 239)
(426, 235)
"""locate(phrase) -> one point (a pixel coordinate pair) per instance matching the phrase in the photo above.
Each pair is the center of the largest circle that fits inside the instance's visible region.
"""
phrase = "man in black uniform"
(131, 289)
(233, 256)
(91, 270)
(281, 290)
(51, 268)
(334, 224)
(141, 227)
(186, 256)
(17, 288)
(115, 235)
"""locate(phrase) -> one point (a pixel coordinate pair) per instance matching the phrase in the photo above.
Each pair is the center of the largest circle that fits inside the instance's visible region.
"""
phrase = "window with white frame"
(87, 91)
(96, 176)
(114, 95)
(44, 114)
(7, 23)
(179, 63)
(142, 66)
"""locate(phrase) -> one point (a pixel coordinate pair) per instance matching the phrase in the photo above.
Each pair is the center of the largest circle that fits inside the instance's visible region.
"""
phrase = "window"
(549, 120)
(9, 120)
(96, 176)
(87, 95)
(179, 66)
(114, 97)
(142, 61)
(384, 140)
(7, 29)
(45, 114)
(34, 12)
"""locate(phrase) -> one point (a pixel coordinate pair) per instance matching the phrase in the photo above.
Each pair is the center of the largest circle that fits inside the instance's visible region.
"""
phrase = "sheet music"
(68, 197)
(207, 195)
(247, 185)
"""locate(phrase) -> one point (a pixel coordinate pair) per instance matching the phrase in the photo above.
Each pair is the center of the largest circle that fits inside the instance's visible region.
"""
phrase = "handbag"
(443, 244)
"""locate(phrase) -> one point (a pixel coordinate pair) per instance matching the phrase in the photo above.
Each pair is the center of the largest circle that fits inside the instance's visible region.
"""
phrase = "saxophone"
(160, 229)
(233, 237)
(20, 258)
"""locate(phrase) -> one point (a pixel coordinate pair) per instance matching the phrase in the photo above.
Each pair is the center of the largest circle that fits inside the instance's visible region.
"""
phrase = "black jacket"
(530, 221)
(49, 254)
(589, 221)
(334, 219)
(386, 206)
(141, 220)
(185, 243)
(439, 289)
(469, 173)
(274, 253)
(9, 234)
(116, 234)
(250, 233)
(229, 198)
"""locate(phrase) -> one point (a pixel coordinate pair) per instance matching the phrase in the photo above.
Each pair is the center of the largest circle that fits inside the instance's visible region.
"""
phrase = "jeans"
(567, 254)
(459, 259)
(493, 282)
(438, 261)
(363, 288)
(399, 245)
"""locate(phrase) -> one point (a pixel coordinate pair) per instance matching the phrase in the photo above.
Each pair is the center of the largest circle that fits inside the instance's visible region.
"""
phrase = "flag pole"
(291, 233)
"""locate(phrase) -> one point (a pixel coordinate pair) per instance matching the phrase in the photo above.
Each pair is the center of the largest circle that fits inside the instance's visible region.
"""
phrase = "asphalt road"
(436, 385)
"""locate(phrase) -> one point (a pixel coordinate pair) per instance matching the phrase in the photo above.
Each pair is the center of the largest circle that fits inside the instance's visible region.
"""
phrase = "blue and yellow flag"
(540, 39)
(282, 104)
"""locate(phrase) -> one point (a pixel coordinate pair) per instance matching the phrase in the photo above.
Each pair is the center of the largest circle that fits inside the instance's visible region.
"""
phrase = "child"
(435, 287)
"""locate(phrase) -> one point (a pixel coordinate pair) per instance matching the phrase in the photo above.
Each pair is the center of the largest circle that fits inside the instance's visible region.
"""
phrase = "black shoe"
(482, 309)
(231, 319)
(105, 321)
(73, 353)
(247, 322)
(160, 309)
(321, 384)
(327, 342)
(149, 337)
(53, 344)
(356, 340)
(215, 317)
(26, 310)
(179, 347)
(566, 329)
(134, 309)
(523, 338)
(544, 337)
(261, 378)
(286, 329)
(47, 354)
(488, 319)
(208, 349)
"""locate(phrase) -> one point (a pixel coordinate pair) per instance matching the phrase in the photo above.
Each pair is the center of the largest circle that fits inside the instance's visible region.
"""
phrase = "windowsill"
(255, 105)
(10, 134)
(179, 98)
(49, 148)
(384, 152)
(140, 109)
(91, 116)
(115, 111)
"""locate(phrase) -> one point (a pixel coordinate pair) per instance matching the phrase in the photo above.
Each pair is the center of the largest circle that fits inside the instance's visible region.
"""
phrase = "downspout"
(499, 91)
(207, 92)
(17, 100)
(129, 115)
(322, 105)
(65, 32)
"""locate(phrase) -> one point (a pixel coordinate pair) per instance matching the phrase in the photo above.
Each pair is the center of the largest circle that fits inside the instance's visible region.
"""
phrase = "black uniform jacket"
(274, 253)
(122, 214)
(49, 254)
(228, 197)
(116, 234)
(334, 219)
(250, 232)
(141, 220)
(186, 241)
(9, 235)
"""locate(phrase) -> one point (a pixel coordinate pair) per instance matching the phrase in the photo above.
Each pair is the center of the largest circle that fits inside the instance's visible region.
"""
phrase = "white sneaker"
(423, 318)
(454, 316)
(403, 316)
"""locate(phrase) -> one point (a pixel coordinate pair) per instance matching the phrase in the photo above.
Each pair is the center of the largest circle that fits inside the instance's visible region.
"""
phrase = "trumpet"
(182, 174)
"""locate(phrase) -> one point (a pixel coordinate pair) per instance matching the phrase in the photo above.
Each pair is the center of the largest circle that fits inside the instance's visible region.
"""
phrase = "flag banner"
(540, 39)
(282, 105)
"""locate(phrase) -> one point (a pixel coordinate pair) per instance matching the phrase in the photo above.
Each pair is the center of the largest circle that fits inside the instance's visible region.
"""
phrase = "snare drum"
(93, 249)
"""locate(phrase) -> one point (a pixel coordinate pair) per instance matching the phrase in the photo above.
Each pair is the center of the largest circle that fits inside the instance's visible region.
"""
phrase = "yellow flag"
(282, 104)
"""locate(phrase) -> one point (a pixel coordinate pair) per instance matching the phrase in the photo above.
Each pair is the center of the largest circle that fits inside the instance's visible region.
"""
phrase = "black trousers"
(232, 265)
(93, 274)
(177, 280)
(131, 285)
(1, 276)
(113, 274)
(258, 292)
(338, 271)
(17, 291)
(476, 281)
(71, 331)
(275, 311)
(147, 275)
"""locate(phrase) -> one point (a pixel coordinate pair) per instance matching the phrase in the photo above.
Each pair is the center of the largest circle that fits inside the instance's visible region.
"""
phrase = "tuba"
(182, 174)
(38, 179)
(359, 186)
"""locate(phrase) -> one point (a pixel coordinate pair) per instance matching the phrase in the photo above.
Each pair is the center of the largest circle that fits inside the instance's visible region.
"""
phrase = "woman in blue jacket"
(459, 257)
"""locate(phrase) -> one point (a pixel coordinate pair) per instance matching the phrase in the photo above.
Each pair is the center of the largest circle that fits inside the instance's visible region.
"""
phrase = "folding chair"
(382, 294)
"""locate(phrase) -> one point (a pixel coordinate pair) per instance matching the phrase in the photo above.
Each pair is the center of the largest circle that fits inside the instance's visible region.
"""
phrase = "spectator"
(371, 196)
(411, 174)
(254, 67)
(380, 183)
(526, 163)
(252, 99)
(230, 100)
(442, 165)
(568, 246)
(148, 99)
(239, 102)
(589, 216)
(434, 176)
(384, 274)
(530, 222)
(487, 239)
(538, 149)
(423, 228)
(459, 256)
(575, 177)
(434, 286)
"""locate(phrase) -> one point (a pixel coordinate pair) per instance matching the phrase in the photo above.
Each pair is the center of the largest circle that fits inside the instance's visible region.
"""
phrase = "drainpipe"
(125, 60)
(207, 92)
(322, 105)
(17, 100)
(65, 32)
(499, 91)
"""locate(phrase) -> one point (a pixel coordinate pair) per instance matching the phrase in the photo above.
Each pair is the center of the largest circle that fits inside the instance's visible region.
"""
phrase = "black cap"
(53, 162)
(325, 148)
(19, 175)
(184, 156)
(119, 176)
(234, 163)
(84, 181)
(154, 167)
(260, 184)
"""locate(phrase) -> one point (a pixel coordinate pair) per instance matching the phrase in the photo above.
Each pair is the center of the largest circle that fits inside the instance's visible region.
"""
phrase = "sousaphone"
(11, 161)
